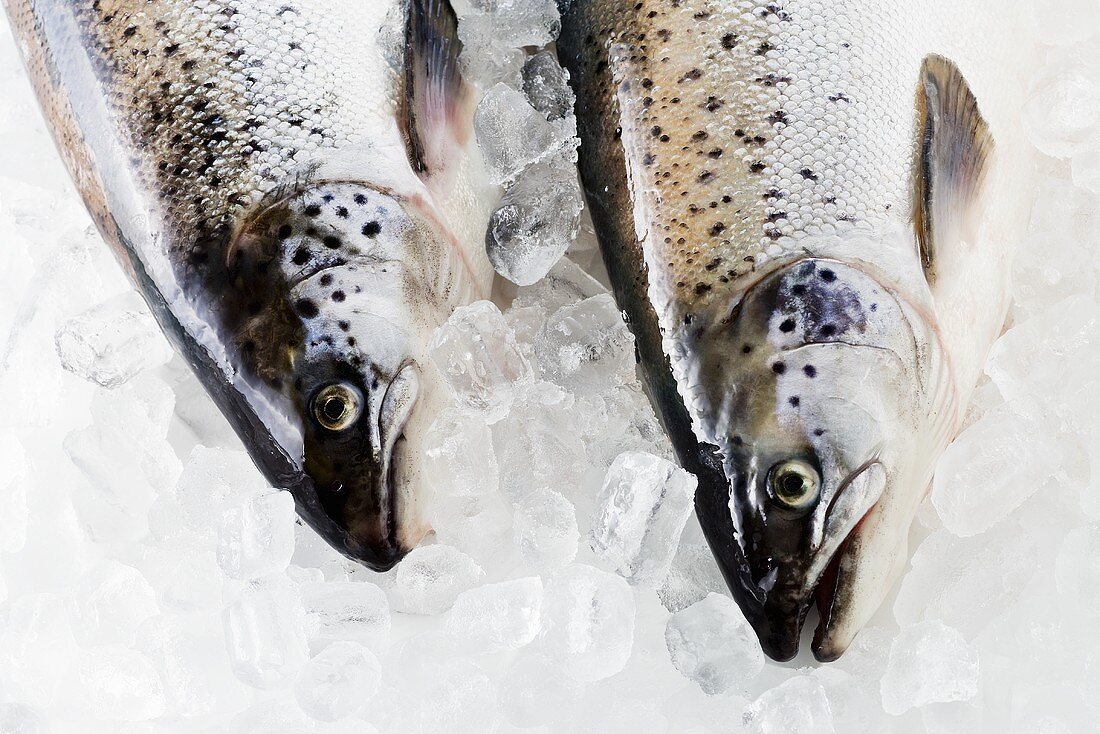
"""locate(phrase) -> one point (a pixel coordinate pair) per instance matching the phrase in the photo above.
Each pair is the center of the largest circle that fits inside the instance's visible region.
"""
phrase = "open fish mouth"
(780, 618)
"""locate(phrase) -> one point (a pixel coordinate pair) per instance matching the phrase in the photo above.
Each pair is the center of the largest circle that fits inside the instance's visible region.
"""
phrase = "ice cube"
(13, 493)
(353, 611)
(965, 583)
(460, 698)
(480, 527)
(991, 469)
(189, 653)
(17, 718)
(693, 575)
(586, 347)
(1044, 366)
(338, 682)
(1077, 570)
(477, 355)
(37, 648)
(545, 529)
(537, 220)
(546, 85)
(1063, 110)
(110, 602)
(540, 443)
(513, 135)
(112, 342)
(119, 684)
(495, 617)
(212, 480)
(431, 578)
(124, 476)
(534, 692)
(589, 622)
(798, 704)
(460, 458)
(711, 643)
(265, 633)
(565, 284)
(256, 535)
(929, 663)
(519, 23)
(642, 509)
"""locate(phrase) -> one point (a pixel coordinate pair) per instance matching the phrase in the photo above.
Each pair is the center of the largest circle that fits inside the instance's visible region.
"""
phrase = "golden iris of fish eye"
(794, 483)
(337, 407)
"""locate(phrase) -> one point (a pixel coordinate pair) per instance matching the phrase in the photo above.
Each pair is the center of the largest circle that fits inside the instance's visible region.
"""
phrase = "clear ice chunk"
(798, 704)
(476, 353)
(965, 583)
(1062, 113)
(496, 617)
(111, 343)
(711, 643)
(546, 85)
(431, 578)
(120, 684)
(256, 535)
(346, 611)
(535, 693)
(545, 529)
(338, 681)
(518, 23)
(991, 469)
(929, 663)
(110, 602)
(513, 135)
(1077, 571)
(641, 512)
(589, 622)
(13, 493)
(586, 347)
(460, 458)
(537, 220)
(265, 633)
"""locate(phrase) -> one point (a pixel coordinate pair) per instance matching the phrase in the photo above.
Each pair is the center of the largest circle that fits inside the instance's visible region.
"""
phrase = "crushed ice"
(150, 581)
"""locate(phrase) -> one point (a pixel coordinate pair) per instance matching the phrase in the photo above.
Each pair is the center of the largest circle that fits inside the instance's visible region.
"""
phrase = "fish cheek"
(338, 463)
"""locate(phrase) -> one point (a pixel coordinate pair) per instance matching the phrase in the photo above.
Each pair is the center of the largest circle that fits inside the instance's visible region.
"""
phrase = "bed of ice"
(150, 581)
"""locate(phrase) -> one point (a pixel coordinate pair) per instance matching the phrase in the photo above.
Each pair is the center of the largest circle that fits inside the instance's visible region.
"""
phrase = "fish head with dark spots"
(811, 392)
(338, 328)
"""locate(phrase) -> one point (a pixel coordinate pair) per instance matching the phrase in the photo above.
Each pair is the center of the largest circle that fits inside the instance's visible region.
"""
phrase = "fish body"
(807, 211)
(299, 214)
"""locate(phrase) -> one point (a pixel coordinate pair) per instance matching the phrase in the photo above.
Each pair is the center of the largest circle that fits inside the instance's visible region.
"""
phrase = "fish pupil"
(792, 484)
(334, 408)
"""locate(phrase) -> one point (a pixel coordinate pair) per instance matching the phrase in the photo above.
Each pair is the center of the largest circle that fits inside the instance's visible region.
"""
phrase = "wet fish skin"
(754, 171)
(248, 162)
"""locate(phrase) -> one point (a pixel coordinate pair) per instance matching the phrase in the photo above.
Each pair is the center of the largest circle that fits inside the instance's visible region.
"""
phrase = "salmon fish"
(807, 211)
(299, 209)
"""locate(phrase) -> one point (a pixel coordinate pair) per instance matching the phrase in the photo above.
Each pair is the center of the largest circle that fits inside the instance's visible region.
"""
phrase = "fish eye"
(337, 406)
(794, 484)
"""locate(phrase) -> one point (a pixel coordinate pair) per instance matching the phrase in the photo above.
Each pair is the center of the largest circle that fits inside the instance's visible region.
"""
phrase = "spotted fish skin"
(247, 160)
(754, 170)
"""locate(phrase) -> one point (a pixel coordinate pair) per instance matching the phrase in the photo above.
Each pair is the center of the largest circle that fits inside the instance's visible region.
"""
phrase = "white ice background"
(150, 581)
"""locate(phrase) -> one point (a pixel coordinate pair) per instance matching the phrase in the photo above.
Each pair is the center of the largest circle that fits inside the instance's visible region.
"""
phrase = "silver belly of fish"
(299, 214)
(807, 211)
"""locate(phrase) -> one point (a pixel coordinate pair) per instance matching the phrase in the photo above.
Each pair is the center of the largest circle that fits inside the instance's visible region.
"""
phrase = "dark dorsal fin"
(433, 82)
(953, 154)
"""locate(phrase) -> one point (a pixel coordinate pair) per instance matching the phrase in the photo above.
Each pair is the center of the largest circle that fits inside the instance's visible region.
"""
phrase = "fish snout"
(365, 479)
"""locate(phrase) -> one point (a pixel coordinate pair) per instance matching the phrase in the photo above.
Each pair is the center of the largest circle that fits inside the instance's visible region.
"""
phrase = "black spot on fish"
(360, 199)
(729, 41)
(285, 231)
(307, 308)
(338, 296)
(819, 432)
(344, 325)
(794, 401)
(828, 276)
(828, 331)
(747, 349)
(326, 279)
(810, 371)
(313, 210)
(779, 368)
(301, 256)
(332, 242)
(787, 326)
(371, 229)
(342, 212)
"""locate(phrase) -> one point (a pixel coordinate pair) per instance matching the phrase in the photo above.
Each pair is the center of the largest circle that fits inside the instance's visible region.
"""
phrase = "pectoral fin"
(434, 89)
(953, 154)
